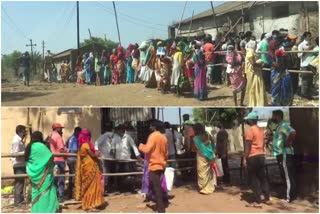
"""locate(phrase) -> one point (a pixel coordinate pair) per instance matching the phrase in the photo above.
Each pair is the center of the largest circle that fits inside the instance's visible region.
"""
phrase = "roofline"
(221, 13)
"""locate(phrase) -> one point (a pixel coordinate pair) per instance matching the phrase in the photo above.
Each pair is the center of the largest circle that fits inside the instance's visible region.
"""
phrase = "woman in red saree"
(88, 186)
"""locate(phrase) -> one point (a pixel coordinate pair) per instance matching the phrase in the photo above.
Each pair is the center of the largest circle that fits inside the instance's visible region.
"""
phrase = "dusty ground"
(187, 199)
(45, 94)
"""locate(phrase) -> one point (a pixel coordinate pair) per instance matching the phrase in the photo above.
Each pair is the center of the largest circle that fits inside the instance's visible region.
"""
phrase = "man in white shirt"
(171, 144)
(19, 165)
(123, 145)
(306, 58)
(103, 144)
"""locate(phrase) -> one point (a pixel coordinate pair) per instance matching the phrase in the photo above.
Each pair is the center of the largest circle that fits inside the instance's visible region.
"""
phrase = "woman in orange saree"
(88, 186)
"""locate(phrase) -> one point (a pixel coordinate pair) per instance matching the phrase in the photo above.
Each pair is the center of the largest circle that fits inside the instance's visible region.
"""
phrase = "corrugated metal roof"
(63, 53)
(130, 114)
(225, 8)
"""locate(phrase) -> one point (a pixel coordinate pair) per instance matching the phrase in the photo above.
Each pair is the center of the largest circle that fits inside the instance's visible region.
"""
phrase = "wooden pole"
(242, 15)
(214, 17)
(116, 16)
(180, 123)
(184, 8)
(78, 30)
(190, 25)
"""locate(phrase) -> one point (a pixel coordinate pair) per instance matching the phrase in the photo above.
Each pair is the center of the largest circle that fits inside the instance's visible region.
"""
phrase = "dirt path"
(187, 199)
(45, 94)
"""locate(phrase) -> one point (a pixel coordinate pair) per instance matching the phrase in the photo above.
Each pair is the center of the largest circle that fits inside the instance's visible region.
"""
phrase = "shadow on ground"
(15, 96)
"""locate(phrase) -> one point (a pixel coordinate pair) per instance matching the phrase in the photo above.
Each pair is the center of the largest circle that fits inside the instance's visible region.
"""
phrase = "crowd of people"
(252, 67)
(46, 171)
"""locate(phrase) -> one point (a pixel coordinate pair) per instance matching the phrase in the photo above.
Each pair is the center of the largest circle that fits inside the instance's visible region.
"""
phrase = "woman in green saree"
(40, 165)
(205, 157)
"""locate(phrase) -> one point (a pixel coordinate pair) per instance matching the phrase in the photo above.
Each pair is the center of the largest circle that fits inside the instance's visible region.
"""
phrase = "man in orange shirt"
(209, 57)
(156, 150)
(255, 160)
(57, 146)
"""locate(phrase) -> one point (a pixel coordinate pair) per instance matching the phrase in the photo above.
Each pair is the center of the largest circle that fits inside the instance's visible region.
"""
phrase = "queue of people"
(89, 185)
(253, 68)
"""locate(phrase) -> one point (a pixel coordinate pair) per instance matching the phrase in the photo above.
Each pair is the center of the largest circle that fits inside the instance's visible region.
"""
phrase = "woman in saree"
(88, 185)
(200, 73)
(205, 158)
(150, 66)
(255, 89)
(130, 71)
(142, 64)
(281, 84)
(236, 74)
(177, 67)
(79, 70)
(113, 67)
(40, 167)
(188, 71)
(135, 61)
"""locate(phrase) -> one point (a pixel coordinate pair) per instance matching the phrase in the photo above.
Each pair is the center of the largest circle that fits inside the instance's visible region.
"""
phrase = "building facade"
(256, 16)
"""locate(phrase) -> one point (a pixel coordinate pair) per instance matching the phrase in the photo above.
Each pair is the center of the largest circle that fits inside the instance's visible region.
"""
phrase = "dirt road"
(47, 94)
(187, 199)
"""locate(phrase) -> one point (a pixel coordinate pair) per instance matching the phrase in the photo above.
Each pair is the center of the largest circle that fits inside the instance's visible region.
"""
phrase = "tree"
(212, 115)
(10, 63)
(105, 42)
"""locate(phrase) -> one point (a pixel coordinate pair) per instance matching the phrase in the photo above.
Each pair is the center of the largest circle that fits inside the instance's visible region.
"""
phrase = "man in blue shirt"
(283, 137)
(72, 145)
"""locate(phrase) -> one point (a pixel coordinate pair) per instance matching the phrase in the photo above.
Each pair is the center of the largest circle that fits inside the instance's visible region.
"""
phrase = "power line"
(66, 22)
(137, 18)
(129, 20)
(14, 24)
(13, 29)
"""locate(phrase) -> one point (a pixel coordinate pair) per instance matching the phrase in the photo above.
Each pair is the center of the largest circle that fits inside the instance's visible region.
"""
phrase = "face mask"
(275, 37)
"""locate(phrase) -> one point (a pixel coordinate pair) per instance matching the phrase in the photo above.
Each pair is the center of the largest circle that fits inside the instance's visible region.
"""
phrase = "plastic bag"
(169, 175)
(219, 167)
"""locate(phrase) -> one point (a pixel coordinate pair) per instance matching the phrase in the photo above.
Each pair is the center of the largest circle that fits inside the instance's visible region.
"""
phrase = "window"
(280, 11)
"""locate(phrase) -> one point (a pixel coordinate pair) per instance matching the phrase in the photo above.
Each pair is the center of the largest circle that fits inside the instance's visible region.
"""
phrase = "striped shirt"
(280, 137)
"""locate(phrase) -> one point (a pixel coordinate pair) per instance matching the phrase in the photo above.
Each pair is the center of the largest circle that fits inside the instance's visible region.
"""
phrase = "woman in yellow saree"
(205, 157)
(40, 165)
(88, 186)
(255, 90)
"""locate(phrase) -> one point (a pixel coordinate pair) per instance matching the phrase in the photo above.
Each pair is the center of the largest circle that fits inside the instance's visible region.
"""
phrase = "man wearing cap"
(255, 160)
(283, 150)
(57, 146)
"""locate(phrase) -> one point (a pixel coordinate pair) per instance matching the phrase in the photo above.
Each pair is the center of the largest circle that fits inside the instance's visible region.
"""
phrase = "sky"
(55, 22)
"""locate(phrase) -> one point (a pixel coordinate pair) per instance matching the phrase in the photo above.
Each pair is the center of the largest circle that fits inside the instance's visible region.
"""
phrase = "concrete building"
(94, 119)
(256, 16)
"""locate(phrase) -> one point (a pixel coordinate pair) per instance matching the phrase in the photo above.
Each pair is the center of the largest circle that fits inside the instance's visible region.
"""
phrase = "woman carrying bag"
(205, 160)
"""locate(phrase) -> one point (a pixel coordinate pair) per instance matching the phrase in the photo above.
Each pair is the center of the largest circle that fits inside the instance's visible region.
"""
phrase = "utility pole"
(184, 8)
(214, 17)
(43, 56)
(115, 14)
(78, 32)
(32, 45)
(90, 33)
